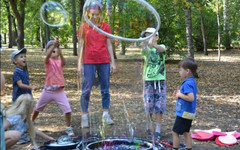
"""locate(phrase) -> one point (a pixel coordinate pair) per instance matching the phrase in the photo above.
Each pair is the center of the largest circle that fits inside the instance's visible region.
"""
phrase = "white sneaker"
(69, 131)
(84, 123)
(107, 119)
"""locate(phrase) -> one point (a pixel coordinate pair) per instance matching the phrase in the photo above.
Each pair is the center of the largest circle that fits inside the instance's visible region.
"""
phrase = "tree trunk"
(20, 16)
(122, 25)
(41, 37)
(123, 48)
(5, 38)
(10, 44)
(219, 32)
(189, 32)
(203, 35)
(74, 28)
(81, 3)
(227, 40)
(14, 34)
(113, 13)
(47, 31)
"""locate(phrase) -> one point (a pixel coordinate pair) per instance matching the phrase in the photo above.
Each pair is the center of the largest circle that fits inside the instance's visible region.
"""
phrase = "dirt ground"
(218, 97)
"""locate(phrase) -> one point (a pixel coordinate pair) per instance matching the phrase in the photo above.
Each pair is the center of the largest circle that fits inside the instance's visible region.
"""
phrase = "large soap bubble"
(53, 14)
(149, 7)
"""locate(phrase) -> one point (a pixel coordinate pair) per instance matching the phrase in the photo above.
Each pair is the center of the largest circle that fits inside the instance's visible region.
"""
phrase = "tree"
(47, 31)
(10, 44)
(203, 35)
(201, 5)
(219, 32)
(188, 22)
(227, 40)
(19, 13)
(74, 28)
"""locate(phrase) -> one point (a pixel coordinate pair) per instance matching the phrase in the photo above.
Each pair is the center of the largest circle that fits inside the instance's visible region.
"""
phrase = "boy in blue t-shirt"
(20, 75)
(186, 103)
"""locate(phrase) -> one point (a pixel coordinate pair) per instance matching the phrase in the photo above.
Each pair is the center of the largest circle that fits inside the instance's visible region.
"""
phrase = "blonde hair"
(94, 6)
(23, 106)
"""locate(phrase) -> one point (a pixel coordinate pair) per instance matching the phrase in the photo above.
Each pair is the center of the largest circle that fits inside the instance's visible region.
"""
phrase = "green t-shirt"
(154, 64)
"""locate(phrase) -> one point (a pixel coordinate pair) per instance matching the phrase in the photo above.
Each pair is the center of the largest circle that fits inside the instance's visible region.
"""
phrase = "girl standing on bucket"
(18, 118)
(54, 84)
(95, 55)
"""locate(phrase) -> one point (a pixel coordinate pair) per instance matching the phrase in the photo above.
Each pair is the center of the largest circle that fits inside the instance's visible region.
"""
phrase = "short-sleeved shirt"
(16, 123)
(184, 108)
(154, 64)
(20, 74)
(54, 73)
(95, 44)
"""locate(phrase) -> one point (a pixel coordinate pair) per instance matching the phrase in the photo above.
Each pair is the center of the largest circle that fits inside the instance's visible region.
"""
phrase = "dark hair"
(189, 63)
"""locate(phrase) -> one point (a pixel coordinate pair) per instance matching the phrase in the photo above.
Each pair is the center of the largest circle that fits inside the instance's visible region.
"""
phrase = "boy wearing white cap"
(154, 75)
(20, 75)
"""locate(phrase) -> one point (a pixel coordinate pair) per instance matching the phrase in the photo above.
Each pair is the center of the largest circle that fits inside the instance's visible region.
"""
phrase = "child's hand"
(80, 70)
(51, 139)
(35, 87)
(56, 42)
(175, 93)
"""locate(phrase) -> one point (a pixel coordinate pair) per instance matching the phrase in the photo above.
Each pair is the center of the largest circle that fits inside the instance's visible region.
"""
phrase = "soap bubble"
(53, 14)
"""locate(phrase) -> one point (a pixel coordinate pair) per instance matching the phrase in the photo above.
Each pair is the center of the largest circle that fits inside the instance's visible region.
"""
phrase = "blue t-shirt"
(16, 123)
(20, 74)
(184, 108)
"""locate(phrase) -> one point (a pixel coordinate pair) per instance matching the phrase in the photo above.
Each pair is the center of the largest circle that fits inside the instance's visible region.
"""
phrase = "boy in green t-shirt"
(154, 76)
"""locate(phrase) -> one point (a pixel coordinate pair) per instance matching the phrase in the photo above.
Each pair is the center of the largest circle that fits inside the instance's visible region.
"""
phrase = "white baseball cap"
(149, 30)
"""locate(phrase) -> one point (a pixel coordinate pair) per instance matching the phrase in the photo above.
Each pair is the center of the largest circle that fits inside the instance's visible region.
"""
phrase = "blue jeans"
(89, 72)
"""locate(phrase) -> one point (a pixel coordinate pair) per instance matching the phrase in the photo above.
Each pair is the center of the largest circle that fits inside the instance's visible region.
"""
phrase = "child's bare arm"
(187, 97)
(25, 86)
(112, 61)
(50, 50)
(80, 55)
(43, 135)
(6, 124)
(158, 48)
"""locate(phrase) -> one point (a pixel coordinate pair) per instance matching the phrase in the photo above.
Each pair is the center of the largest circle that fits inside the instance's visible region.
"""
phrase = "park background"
(207, 30)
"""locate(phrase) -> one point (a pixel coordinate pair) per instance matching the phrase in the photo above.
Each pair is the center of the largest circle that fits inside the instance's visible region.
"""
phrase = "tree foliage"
(134, 19)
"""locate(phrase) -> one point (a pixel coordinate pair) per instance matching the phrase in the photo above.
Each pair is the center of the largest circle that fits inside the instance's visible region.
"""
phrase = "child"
(8, 138)
(154, 75)
(186, 103)
(18, 118)
(20, 75)
(54, 84)
(95, 56)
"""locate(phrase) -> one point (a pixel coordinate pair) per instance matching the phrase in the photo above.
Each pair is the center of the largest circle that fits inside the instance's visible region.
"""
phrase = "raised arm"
(50, 50)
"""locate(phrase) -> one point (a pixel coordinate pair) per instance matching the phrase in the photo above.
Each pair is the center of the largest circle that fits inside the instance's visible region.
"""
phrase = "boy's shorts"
(155, 96)
(182, 125)
(58, 96)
